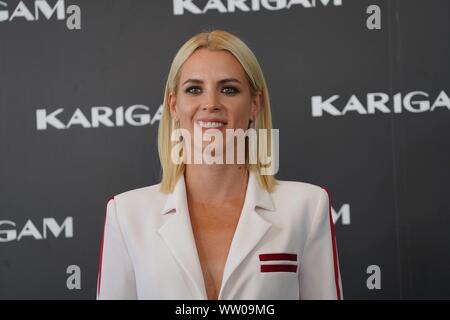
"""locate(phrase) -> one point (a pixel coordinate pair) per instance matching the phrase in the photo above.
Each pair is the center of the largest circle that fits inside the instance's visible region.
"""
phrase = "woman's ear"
(256, 105)
(171, 100)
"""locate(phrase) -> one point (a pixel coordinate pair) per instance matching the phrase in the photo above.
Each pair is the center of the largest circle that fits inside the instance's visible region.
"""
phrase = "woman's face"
(213, 93)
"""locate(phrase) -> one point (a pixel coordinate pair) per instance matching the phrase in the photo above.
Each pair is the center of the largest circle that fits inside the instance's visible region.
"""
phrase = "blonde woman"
(217, 230)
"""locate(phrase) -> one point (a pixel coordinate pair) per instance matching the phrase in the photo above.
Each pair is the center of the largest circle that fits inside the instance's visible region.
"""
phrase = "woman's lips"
(207, 124)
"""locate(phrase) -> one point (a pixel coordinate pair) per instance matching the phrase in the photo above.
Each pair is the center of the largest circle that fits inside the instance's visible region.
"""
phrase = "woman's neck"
(216, 184)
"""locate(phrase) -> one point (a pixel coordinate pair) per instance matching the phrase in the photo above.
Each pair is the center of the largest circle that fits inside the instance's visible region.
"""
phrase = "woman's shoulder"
(300, 199)
(142, 199)
(135, 211)
(298, 191)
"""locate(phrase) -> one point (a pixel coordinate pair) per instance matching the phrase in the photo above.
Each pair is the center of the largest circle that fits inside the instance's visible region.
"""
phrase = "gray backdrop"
(387, 171)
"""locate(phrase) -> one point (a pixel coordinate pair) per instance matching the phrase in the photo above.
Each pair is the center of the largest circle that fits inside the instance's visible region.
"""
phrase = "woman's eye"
(191, 90)
(231, 90)
(226, 90)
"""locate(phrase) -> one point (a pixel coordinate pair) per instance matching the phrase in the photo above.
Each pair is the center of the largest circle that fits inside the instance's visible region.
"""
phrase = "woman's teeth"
(207, 124)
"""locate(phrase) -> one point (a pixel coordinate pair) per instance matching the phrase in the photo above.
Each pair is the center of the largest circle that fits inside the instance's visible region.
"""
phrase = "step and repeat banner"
(359, 91)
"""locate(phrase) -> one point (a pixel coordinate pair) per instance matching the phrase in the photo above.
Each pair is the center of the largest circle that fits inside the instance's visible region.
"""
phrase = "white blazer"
(283, 246)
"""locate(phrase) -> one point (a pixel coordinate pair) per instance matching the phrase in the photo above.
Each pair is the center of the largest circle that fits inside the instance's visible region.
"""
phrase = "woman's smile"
(206, 124)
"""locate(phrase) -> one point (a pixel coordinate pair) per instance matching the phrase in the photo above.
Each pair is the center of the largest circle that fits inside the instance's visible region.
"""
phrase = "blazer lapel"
(250, 229)
(178, 235)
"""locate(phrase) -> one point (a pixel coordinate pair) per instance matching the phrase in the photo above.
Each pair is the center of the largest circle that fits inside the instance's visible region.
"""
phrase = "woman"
(213, 230)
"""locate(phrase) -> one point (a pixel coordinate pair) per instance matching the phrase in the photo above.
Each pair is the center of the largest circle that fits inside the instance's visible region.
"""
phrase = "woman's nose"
(211, 107)
(212, 102)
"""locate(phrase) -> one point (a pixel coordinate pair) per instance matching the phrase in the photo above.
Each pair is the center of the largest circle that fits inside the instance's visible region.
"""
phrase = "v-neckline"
(242, 212)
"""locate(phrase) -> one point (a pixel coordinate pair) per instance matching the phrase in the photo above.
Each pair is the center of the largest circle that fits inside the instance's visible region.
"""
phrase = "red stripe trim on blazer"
(278, 256)
(101, 247)
(333, 239)
(279, 267)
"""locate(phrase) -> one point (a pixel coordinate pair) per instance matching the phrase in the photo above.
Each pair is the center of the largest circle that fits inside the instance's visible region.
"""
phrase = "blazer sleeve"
(319, 273)
(116, 279)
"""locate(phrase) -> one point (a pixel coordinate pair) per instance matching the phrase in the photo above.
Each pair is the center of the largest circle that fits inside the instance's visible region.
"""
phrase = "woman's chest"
(213, 233)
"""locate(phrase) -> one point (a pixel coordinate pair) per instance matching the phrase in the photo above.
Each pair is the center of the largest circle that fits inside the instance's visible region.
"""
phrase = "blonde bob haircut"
(212, 40)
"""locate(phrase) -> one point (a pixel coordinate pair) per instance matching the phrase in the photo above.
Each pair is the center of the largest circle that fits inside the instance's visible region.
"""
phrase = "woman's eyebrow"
(220, 81)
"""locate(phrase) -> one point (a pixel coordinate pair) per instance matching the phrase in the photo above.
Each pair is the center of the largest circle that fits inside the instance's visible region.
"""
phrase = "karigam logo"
(41, 10)
(225, 6)
(415, 102)
(9, 231)
(342, 214)
(135, 115)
